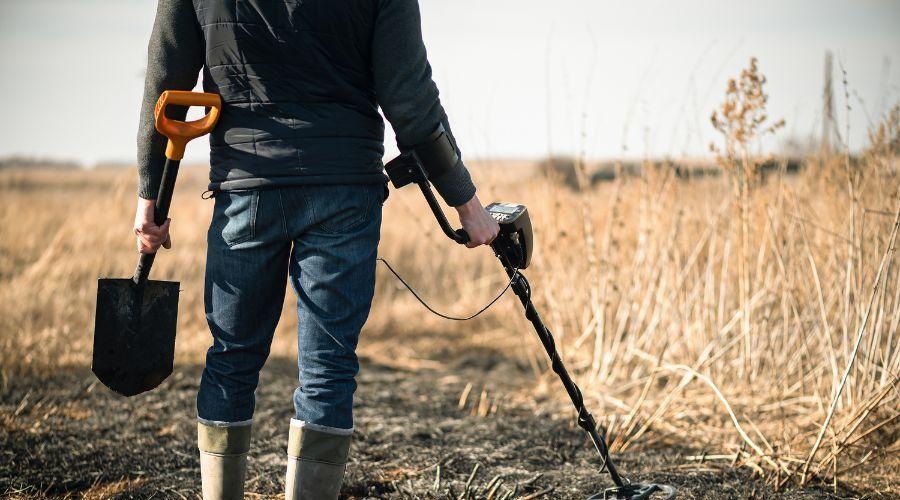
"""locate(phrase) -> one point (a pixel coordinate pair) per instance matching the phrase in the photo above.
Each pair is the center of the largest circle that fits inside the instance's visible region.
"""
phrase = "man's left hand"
(149, 235)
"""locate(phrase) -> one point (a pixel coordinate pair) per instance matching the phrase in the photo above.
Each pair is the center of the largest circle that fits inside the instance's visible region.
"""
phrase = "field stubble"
(675, 336)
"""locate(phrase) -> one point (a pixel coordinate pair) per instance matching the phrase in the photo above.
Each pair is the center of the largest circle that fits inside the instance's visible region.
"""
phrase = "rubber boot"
(317, 457)
(223, 460)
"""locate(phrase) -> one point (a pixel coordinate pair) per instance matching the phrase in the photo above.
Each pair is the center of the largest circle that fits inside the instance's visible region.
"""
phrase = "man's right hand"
(478, 223)
(150, 236)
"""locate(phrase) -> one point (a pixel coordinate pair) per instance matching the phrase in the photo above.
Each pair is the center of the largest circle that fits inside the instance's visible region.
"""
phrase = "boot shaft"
(223, 460)
(317, 458)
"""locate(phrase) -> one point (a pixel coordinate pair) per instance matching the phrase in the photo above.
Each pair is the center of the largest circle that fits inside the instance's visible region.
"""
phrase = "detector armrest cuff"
(437, 153)
(437, 160)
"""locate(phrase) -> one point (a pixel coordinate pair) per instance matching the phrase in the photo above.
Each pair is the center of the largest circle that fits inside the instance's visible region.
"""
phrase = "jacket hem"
(254, 183)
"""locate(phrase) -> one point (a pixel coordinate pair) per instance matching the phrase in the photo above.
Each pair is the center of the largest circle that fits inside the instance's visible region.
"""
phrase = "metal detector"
(514, 246)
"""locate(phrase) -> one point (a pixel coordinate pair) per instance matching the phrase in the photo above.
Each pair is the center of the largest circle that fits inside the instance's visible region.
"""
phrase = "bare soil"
(68, 436)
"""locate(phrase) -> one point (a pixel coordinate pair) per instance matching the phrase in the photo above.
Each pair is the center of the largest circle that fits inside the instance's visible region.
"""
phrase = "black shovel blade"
(134, 334)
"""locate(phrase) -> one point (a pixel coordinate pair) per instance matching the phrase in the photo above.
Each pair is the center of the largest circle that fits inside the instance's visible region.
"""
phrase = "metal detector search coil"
(513, 246)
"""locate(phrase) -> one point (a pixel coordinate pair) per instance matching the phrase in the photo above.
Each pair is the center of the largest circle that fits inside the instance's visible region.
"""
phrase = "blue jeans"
(325, 240)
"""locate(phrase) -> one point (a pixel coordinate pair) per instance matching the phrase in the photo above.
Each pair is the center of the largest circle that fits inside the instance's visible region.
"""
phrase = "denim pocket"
(236, 210)
(343, 208)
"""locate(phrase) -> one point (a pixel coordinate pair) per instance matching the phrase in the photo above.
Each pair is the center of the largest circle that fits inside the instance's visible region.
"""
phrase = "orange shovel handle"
(179, 132)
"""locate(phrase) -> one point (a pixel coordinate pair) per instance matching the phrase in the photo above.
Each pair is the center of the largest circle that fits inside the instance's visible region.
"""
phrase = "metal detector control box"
(516, 241)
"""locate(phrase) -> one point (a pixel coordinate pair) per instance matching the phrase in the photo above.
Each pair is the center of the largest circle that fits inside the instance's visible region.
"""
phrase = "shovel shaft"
(160, 214)
(179, 134)
(166, 188)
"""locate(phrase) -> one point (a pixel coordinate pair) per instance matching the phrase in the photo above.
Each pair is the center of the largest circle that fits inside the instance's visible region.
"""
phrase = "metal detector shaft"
(522, 289)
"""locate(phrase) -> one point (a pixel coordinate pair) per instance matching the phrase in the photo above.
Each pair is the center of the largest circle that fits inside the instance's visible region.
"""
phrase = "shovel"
(134, 329)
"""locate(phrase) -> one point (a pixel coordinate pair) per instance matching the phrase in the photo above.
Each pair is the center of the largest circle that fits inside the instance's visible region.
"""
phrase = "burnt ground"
(68, 436)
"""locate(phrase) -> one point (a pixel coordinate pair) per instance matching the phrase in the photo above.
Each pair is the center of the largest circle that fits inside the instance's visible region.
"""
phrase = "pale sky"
(518, 78)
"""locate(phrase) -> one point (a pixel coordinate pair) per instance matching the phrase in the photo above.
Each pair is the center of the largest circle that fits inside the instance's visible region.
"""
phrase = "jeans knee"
(237, 360)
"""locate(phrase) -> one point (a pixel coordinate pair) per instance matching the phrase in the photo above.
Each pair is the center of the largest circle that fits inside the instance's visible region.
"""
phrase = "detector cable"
(513, 277)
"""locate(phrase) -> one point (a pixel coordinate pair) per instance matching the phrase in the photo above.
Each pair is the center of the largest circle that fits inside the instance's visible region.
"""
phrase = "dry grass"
(97, 492)
(759, 325)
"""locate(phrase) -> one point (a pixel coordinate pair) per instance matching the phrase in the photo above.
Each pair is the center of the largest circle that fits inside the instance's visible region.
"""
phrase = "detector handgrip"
(406, 169)
(458, 235)
(179, 132)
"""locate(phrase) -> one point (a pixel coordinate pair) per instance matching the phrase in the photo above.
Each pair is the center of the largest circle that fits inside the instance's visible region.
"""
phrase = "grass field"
(749, 322)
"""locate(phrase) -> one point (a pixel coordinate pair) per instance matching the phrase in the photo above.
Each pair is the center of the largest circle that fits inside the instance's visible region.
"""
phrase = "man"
(296, 172)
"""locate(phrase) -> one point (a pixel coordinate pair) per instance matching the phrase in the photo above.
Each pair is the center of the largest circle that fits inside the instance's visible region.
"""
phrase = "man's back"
(301, 83)
(297, 82)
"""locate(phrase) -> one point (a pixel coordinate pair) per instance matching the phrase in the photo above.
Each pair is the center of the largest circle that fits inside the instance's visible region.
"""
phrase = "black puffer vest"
(297, 87)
